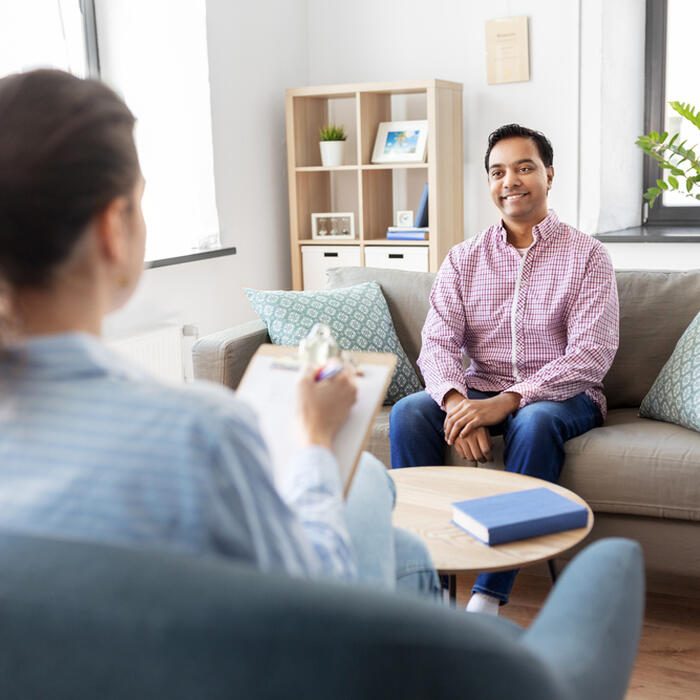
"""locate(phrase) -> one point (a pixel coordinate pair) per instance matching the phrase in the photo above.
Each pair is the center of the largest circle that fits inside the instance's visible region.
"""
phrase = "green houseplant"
(680, 163)
(332, 142)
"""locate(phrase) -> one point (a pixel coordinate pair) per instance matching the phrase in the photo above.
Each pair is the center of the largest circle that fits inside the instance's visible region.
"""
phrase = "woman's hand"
(324, 406)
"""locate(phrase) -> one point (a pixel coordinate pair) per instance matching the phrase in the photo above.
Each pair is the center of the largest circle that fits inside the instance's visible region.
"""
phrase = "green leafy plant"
(682, 164)
(332, 132)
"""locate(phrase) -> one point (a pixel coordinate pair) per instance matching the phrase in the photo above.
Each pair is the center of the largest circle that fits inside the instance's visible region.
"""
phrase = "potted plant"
(682, 164)
(332, 139)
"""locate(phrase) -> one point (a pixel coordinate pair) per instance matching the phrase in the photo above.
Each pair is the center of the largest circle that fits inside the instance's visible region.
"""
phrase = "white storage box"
(317, 259)
(412, 258)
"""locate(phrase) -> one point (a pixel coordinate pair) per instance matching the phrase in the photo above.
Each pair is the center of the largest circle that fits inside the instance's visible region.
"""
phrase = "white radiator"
(159, 351)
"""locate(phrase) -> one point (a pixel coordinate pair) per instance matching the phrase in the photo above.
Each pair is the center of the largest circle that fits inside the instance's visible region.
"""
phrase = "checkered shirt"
(545, 325)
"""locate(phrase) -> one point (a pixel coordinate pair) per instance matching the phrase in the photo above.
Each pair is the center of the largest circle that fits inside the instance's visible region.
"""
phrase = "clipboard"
(269, 386)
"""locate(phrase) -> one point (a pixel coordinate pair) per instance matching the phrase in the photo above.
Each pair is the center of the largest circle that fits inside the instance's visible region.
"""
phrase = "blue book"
(395, 236)
(518, 515)
(422, 211)
(407, 235)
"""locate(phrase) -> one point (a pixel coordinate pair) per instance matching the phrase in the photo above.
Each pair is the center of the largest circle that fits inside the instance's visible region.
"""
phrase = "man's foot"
(482, 603)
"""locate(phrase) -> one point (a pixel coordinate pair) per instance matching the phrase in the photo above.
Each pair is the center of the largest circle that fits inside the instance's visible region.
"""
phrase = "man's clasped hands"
(468, 420)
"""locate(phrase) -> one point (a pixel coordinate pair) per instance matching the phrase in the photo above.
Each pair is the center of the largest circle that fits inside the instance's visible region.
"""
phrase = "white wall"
(391, 40)
(256, 51)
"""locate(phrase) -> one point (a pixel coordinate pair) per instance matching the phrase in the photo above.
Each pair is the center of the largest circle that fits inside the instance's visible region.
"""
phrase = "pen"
(328, 372)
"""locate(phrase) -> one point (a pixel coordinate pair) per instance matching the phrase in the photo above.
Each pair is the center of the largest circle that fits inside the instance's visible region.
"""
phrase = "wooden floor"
(668, 663)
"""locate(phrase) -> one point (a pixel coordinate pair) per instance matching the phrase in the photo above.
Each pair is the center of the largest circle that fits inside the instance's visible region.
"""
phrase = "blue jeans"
(386, 556)
(533, 436)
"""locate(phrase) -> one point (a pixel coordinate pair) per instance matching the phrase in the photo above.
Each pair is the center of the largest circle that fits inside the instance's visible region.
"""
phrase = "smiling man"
(532, 302)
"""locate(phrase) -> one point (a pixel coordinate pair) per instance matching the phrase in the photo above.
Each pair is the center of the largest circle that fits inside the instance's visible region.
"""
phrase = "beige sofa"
(641, 477)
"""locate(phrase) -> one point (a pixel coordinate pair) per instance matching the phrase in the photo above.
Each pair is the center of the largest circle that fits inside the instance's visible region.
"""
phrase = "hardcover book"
(422, 211)
(408, 235)
(518, 515)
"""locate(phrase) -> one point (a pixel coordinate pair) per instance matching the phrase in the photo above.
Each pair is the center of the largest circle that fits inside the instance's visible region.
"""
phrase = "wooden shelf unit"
(368, 189)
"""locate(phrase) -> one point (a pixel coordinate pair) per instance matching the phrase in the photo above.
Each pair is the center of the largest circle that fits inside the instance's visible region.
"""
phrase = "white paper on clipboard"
(271, 390)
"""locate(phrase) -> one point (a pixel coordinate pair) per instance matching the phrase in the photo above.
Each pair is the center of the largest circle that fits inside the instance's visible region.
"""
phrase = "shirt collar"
(546, 228)
(64, 356)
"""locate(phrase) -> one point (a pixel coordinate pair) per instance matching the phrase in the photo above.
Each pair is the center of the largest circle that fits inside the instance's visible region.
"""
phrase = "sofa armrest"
(222, 357)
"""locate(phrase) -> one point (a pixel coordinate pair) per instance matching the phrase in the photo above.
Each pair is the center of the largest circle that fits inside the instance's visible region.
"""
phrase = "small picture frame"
(333, 226)
(401, 142)
(404, 218)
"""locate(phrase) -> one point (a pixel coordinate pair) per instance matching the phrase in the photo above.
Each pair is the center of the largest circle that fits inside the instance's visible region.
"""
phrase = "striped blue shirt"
(91, 448)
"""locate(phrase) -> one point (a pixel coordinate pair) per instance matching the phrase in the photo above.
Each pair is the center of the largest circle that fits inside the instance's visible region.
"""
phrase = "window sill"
(652, 234)
(204, 255)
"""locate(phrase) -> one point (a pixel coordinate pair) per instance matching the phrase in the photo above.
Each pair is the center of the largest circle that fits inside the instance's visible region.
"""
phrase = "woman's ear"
(112, 230)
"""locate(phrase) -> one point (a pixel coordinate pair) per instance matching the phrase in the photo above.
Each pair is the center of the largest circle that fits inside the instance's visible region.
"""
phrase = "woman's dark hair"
(66, 151)
(509, 131)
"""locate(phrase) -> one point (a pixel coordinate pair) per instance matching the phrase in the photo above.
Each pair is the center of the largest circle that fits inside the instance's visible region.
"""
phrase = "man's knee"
(537, 421)
(412, 411)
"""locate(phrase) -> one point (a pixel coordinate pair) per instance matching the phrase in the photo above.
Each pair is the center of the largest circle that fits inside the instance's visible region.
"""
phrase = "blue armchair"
(80, 620)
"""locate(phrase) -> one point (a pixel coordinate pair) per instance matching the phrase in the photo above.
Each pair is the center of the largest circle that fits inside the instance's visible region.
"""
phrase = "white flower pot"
(332, 153)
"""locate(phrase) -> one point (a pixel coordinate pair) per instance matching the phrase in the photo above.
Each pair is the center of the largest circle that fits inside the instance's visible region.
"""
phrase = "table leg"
(449, 584)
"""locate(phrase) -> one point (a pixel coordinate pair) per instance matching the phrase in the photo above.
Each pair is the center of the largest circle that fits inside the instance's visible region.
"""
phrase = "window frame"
(654, 113)
(87, 8)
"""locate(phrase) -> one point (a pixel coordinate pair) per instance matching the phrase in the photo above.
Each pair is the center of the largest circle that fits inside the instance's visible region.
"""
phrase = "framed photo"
(333, 226)
(401, 142)
(404, 217)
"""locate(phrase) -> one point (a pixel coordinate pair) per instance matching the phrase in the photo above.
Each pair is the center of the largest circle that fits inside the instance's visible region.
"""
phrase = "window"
(671, 74)
(42, 33)
(155, 55)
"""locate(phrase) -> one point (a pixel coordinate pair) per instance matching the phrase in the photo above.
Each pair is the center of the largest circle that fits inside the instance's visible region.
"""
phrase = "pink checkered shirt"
(544, 325)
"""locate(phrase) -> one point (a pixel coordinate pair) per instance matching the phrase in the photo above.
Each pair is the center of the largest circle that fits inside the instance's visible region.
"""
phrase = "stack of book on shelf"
(518, 515)
(407, 233)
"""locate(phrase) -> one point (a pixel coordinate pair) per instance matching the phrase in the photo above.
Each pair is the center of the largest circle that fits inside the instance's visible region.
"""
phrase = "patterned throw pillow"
(675, 395)
(357, 316)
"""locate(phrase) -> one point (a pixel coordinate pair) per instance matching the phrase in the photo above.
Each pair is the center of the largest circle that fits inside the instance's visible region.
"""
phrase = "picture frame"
(404, 218)
(401, 142)
(333, 226)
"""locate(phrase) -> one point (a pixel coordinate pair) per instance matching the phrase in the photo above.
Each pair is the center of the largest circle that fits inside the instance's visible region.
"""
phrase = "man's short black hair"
(514, 130)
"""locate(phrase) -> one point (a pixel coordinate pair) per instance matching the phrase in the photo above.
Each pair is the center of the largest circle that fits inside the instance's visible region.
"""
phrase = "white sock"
(482, 603)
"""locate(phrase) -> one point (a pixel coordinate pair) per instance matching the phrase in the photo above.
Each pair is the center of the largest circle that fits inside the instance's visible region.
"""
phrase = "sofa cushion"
(406, 293)
(655, 308)
(358, 317)
(675, 395)
(637, 466)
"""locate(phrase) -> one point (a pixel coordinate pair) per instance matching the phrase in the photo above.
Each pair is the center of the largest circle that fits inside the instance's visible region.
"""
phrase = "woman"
(89, 447)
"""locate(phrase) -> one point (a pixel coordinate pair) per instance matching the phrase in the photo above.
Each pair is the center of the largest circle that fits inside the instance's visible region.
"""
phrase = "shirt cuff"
(309, 468)
(528, 393)
(443, 389)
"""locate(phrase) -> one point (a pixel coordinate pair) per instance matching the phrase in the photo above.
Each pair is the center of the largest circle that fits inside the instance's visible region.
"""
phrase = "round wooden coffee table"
(424, 497)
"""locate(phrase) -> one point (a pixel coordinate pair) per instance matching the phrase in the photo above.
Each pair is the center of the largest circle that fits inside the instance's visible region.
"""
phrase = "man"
(533, 303)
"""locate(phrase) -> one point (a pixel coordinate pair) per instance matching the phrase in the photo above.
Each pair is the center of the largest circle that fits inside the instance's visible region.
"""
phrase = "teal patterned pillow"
(675, 395)
(357, 316)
